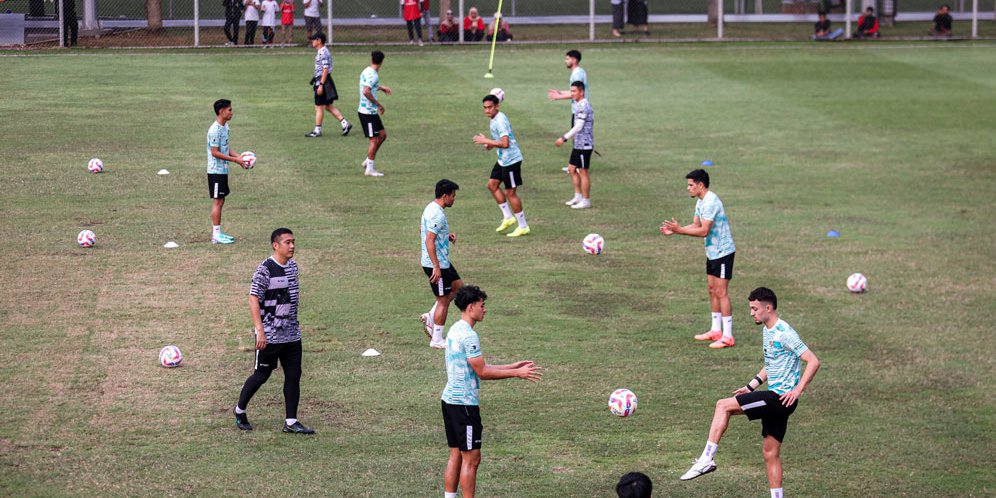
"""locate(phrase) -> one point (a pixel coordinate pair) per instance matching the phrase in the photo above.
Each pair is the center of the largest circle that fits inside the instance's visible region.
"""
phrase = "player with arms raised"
(573, 62)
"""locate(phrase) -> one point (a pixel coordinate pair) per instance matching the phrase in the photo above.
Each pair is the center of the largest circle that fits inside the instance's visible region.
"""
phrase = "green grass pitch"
(889, 144)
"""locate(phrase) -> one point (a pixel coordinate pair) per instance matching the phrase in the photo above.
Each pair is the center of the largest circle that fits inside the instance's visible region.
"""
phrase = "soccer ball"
(498, 92)
(95, 165)
(170, 356)
(857, 283)
(249, 158)
(622, 402)
(593, 243)
(86, 238)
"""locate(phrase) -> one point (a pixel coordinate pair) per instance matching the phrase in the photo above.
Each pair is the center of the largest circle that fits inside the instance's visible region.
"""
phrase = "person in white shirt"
(252, 19)
(313, 16)
(269, 9)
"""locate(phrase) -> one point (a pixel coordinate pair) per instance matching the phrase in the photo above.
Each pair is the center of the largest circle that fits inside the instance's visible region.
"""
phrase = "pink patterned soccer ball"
(622, 402)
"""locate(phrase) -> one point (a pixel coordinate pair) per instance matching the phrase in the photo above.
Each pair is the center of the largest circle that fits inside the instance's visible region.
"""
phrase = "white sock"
(728, 326)
(585, 199)
(437, 333)
(506, 213)
(239, 410)
(521, 216)
(577, 196)
(216, 231)
(777, 493)
(709, 452)
(432, 311)
(318, 128)
(716, 321)
(370, 163)
(290, 421)
(447, 494)
(344, 123)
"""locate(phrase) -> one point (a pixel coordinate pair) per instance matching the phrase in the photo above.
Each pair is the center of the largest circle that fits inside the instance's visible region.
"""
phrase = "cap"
(318, 36)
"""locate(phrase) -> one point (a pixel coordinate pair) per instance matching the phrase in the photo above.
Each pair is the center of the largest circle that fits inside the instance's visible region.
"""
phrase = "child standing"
(287, 20)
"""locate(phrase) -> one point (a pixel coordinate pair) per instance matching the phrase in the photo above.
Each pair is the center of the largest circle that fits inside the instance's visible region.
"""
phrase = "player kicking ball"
(584, 143)
(507, 170)
(783, 348)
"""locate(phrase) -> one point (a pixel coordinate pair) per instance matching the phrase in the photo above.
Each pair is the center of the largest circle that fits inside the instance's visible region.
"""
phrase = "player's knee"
(471, 458)
(771, 453)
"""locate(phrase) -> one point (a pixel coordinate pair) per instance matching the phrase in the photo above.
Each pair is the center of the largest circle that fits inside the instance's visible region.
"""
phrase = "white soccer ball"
(622, 402)
(249, 158)
(857, 283)
(498, 92)
(593, 243)
(95, 165)
(170, 356)
(86, 238)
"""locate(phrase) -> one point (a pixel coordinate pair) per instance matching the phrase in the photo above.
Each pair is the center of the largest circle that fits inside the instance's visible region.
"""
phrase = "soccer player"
(465, 368)
(572, 60)
(782, 351)
(711, 223)
(634, 485)
(507, 170)
(273, 300)
(584, 142)
(325, 92)
(370, 110)
(218, 155)
(443, 277)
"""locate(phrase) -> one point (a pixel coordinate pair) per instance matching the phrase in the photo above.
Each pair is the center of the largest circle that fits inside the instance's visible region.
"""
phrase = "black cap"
(318, 36)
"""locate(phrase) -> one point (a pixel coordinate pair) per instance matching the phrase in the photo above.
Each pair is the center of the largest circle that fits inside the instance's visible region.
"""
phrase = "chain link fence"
(187, 23)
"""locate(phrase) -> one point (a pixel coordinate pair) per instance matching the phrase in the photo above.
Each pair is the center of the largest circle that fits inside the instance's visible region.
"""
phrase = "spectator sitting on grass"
(821, 30)
(473, 26)
(942, 22)
(504, 31)
(448, 29)
(867, 25)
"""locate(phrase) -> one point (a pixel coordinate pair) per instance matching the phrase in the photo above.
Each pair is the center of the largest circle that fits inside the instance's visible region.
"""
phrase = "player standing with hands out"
(218, 155)
(443, 277)
(783, 349)
(584, 143)
(573, 62)
(507, 170)
(370, 110)
(465, 368)
(711, 223)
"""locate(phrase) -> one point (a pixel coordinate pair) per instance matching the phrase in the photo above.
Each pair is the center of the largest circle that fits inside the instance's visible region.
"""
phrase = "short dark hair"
(318, 36)
(467, 295)
(575, 54)
(700, 176)
(946, 6)
(445, 187)
(579, 84)
(491, 98)
(377, 57)
(278, 232)
(221, 104)
(764, 295)
(870, 9)
(634, 485)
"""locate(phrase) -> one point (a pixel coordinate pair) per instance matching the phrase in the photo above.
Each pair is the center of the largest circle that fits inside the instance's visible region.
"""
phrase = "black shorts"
(444, 285)
(217, 186)
(510, 175)
(463, 426)
(721, 267)
(289, 355)
(313, 24)
(581, 158)
(371, 124)
(329, 93)
(766, 406)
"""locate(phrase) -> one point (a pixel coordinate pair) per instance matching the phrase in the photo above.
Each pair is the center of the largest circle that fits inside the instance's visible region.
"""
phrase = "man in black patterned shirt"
(273, 300)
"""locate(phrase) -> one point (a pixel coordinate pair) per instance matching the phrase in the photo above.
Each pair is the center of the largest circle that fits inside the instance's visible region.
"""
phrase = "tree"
(154, 15)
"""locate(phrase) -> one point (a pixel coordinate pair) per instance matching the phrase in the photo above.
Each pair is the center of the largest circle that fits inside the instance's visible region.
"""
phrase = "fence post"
(328, 8)
(847, 19)
(62, 25)
(197, 23)
(460, 22)
(591, 19)
(719, 19)
(975, 19)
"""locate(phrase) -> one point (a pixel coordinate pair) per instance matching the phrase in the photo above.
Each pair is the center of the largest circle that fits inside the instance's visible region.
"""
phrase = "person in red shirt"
(504, 30)
(448, 29)
(412, 12)
(867, 25)
(287, 20)
(473, 26)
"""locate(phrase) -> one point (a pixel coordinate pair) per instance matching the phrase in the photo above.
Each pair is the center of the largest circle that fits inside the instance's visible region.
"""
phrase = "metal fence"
(185, 23)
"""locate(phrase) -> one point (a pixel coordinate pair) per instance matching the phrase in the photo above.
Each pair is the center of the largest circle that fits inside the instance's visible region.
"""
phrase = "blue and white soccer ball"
(622, 402)
(170, 356)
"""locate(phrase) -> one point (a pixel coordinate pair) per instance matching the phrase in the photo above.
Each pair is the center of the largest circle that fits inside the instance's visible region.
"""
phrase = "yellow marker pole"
(494, 38)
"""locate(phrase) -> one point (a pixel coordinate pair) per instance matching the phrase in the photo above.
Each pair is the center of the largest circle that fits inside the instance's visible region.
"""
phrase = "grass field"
(889, 144)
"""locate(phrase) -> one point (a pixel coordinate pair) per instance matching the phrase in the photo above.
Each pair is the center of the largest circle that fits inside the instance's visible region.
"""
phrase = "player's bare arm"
(430, 247)
(761, 377)
(697, 228)
(257, 322)
(387, 90)
(558, 94)
(527, 371)
(235, 159)
(369, 95)
(812, 365)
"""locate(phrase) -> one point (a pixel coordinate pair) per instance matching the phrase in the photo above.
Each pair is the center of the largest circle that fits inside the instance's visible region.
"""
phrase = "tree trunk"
(713, 12)
(444, 5)
(154, 15)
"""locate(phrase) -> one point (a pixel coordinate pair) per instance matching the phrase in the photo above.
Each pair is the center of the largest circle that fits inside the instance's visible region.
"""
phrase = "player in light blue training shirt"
(783, 350)
(507, 170)
(443, 277)
(370, 110)
(711, 223)
(218, 155)
(465, 368)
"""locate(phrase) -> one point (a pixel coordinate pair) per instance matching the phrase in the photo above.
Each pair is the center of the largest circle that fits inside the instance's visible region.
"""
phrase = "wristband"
(754, 383)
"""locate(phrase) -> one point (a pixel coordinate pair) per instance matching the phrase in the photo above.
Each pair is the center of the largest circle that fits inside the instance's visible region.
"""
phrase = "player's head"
(377, 57)
(634, 485)
(763, 304)
(470, 299)
(572, 59)
(577, 90)
(698, 182)
(490, 105)
(317, 39)
(282, 240)
(223, 106)
(446, 190)
(823, 15)
(945, 8)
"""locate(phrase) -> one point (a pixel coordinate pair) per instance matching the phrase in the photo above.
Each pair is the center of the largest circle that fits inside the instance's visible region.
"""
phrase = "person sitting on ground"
(942, 22)
(867, 25)
(473, 26)
(448, 29)
(822, 31)
(504, 31)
